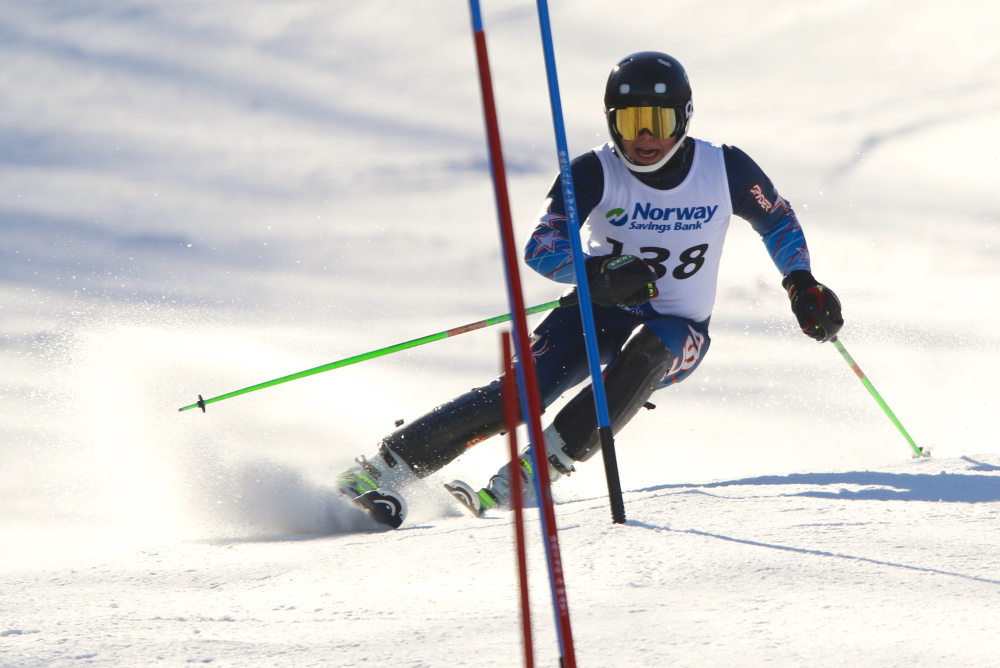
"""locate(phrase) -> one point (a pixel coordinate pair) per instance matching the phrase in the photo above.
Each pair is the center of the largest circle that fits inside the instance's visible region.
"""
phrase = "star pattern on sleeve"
(549, 251)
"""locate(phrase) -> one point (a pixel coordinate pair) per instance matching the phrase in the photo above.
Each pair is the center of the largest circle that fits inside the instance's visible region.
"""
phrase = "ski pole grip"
(823, 320)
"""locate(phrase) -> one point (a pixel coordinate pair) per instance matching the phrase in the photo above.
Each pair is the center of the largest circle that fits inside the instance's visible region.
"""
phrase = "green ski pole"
(917, 451)
(388, 350)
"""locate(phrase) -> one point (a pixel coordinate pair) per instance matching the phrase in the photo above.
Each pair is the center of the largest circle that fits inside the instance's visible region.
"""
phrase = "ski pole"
(586, 314)
(388, 350)
(917, 451)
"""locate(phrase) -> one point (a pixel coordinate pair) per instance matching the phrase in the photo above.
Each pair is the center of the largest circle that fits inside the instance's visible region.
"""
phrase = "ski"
(465, 495)
(385, 506)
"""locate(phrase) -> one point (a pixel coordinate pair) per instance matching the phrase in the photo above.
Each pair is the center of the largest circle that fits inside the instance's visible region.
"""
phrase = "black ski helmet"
(648, 79)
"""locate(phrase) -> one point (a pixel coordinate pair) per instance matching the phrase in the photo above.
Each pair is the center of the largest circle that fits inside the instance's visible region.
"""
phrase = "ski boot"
(496, 494)
(367, 485)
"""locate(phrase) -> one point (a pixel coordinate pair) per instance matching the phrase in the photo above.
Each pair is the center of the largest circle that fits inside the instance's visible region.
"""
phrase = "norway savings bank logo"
(613, 218)
(645, 216)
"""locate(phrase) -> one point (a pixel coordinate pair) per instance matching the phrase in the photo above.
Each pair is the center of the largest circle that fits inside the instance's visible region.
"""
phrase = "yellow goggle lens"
(659, 121)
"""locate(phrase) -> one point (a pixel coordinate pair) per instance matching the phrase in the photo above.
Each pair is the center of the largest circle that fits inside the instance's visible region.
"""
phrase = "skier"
(655, 205)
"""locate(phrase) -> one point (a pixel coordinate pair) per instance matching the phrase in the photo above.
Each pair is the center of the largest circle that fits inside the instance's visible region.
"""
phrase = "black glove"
(620, 280)
(814, 305)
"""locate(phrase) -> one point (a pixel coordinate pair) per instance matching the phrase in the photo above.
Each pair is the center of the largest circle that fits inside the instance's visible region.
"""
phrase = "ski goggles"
(631, 121)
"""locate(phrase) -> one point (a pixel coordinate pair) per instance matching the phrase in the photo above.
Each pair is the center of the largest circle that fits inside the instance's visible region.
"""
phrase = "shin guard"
(629, 380)
(435, 439)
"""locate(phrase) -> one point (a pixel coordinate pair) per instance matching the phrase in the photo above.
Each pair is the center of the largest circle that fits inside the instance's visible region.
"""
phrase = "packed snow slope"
(888, 567)
(197, 197)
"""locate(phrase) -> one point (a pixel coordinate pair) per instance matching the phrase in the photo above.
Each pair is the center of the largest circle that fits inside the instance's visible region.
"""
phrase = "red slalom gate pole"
(510, 417)
(531, 401)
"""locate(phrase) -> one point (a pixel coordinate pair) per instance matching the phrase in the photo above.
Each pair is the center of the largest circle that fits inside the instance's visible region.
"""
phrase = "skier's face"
(647, 150)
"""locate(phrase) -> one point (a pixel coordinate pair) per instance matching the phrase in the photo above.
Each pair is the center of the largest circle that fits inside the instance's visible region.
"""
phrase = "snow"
(197, 197)
(889, 567)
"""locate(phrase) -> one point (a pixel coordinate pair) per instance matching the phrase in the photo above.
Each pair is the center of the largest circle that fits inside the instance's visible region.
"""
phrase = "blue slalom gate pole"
(530, 399)
(586, 313)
